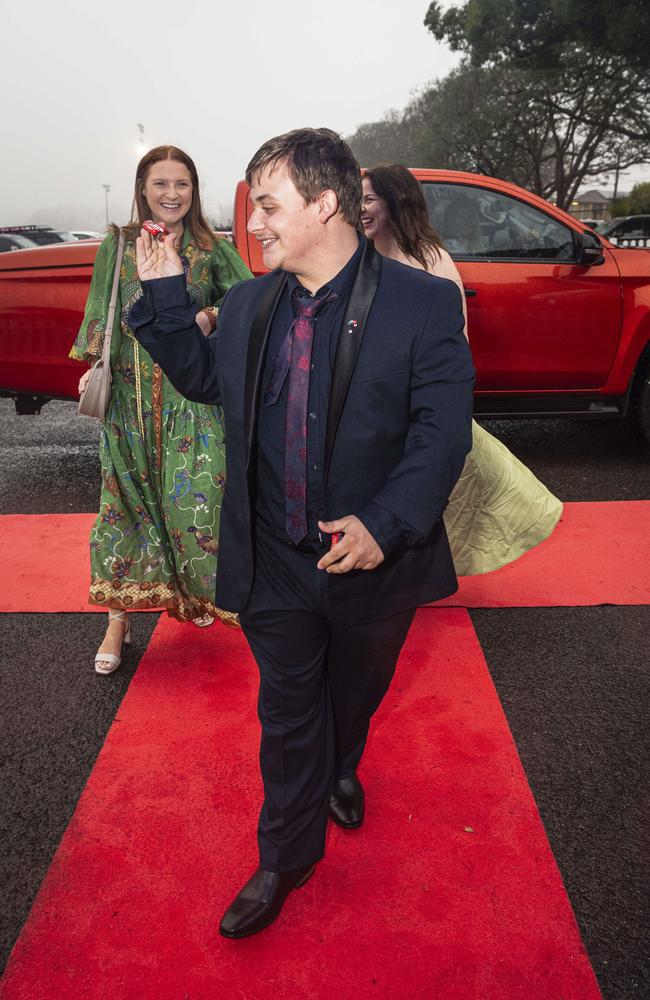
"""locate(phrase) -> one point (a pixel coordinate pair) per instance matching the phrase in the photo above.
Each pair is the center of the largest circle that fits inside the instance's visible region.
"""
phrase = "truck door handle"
(470, 292)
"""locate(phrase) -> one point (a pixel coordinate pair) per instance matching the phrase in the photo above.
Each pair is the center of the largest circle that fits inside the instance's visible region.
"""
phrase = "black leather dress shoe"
(347, 802)
(260, 901)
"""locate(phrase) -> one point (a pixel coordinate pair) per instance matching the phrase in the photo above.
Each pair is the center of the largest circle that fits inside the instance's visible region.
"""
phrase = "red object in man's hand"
(335, 538)
(157, 229)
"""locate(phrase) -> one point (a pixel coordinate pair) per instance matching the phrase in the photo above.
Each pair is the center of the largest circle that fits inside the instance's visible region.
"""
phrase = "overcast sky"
(216, 79)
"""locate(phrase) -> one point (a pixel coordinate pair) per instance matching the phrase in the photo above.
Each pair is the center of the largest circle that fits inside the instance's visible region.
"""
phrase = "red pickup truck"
(559, 318)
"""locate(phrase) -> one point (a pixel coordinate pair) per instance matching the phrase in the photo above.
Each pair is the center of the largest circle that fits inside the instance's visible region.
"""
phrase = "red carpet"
(448, 892)
(599, 554)
(46, 557)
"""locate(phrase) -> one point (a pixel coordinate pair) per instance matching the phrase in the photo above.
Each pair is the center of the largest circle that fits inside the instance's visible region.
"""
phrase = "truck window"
(474, 222)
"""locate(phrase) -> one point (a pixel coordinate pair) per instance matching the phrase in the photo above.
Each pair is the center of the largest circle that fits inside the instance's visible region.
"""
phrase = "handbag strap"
(108, 333)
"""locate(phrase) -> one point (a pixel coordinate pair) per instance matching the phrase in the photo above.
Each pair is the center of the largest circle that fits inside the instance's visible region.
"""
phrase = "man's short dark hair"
(317, 159)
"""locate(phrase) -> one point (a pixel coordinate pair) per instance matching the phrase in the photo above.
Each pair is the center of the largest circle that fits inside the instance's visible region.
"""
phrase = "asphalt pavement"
(573, 683)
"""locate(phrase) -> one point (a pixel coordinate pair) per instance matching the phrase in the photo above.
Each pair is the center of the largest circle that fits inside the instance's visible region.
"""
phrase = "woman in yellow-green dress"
(498, 509)
(155, 540)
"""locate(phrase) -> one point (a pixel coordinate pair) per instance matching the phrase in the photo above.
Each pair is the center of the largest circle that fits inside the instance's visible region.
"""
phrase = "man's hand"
(156, 259)
(356, 550)
(204, 322)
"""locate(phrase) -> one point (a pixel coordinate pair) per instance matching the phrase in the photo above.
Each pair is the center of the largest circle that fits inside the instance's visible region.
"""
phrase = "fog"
(78, 78)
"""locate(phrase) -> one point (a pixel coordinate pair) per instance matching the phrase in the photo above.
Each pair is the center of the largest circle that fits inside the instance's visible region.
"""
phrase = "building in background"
(594, 205)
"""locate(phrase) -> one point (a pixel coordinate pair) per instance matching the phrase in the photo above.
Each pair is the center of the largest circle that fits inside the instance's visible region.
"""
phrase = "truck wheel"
(639, 411)
(30, 404)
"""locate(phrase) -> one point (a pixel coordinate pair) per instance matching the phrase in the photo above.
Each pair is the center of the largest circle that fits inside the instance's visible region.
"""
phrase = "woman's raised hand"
(156, 259)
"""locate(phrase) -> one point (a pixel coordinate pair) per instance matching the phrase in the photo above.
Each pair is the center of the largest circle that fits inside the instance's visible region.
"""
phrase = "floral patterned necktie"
(294, 360)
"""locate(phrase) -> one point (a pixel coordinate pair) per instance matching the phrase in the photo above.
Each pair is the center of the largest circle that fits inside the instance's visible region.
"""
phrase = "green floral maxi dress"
(155, 540)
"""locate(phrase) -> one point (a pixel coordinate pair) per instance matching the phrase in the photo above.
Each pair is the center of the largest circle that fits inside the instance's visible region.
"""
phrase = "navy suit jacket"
(398, 422)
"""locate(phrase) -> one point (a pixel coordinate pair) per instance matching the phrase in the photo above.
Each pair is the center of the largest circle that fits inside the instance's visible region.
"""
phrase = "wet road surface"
(573, 683)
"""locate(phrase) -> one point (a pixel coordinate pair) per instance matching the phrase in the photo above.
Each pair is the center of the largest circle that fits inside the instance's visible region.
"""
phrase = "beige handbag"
(93, 401)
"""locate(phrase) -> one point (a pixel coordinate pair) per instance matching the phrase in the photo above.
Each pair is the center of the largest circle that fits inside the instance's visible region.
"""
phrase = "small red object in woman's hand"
(157, 229)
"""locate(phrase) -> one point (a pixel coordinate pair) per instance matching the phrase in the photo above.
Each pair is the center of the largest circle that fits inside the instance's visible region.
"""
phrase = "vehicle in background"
(87, 234)
(559, 318)
(14, 241)
(628, 231)
(593, 223)
(41, 235)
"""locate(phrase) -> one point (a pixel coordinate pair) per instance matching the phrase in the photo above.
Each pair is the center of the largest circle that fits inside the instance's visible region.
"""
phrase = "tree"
(544, 97)
(608, 37)
(539, 32)
(392, 139)
(579, 64)
(548, 132)
(472, 120)
(639, 199)
(221, 223)
(636, 203)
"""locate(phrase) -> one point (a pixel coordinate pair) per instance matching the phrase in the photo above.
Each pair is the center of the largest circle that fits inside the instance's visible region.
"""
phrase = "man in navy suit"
(346, 385)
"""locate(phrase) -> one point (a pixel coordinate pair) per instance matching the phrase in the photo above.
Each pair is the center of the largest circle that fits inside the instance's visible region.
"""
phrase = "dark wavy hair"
(140, 212)
(317, 160)
(409, 218)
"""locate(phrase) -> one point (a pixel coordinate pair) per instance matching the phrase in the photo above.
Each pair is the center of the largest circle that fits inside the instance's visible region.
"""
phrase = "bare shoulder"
(444, 267)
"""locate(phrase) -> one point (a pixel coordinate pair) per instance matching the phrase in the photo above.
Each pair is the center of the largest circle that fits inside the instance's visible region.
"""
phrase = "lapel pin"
(352, 325)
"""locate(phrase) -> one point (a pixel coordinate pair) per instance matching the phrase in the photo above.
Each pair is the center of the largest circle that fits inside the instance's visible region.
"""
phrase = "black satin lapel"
(350, 337)
(255, 357)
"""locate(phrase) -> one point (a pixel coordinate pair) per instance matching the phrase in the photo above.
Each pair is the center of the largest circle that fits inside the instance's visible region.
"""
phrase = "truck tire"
(30, 404)
(639, 411)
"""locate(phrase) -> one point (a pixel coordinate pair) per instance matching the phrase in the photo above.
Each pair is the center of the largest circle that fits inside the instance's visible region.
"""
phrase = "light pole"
(107, 188)
(616, 177)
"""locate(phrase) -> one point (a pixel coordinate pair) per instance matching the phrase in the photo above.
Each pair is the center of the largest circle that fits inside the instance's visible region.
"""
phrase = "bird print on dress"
(205, 541)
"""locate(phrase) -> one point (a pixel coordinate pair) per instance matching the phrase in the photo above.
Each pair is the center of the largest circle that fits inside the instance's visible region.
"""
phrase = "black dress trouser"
(320, 683)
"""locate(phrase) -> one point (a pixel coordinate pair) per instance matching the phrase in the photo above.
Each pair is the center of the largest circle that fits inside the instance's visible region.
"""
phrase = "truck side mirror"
(588, 249)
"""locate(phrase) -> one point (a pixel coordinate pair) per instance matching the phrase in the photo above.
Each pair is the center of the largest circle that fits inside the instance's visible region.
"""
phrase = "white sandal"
(107, 663)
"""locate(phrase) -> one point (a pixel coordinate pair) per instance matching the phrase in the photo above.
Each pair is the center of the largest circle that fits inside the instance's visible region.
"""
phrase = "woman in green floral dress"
(155, 540)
